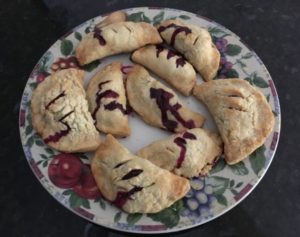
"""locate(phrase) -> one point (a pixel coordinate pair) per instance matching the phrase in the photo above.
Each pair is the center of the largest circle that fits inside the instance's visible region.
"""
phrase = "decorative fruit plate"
(210, 196)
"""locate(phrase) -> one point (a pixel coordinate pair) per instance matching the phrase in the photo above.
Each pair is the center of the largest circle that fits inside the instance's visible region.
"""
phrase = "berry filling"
(162, 98)
(122, 197)
(107, 94)
(181, 142)
(55, 99)
(178, 29)
(58, 135)
(131, 174)
(179, 61)
(98, 36)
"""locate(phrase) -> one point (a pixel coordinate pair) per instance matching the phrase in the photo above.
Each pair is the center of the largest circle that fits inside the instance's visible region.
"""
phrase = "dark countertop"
(271, 28)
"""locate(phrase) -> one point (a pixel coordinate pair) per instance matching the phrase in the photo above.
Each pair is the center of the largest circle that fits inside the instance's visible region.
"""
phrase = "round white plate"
(209, 197)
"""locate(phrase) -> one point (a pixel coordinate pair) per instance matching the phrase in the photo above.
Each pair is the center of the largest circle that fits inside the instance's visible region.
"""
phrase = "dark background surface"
(27, 30)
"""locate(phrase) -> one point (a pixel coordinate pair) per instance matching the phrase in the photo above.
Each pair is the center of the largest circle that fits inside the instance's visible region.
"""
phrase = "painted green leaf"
(274, 113)
(220, 184)
(78, 36)
(85, 203)
(239, 168)
(146, 19)
(247, 55)
(135, 17)
(158, 18)
(233, 49)
(184, 17)
(241, 63)
(238, 185)
(87, 30)
(234, 192)
(44, 157)
(75, 201)
(221, 199)
(258, 159)
(218, 167)
(232, 73)
(169, 216)
(102, 204)
(30, 142)
(217, 32)
(268, 97)
(28, 129)
(117, 216)
(133, 218)
(67, 192)
(46, 61)
(249, 80)
(39, 143)
(91, 66)
(66, 47)
(39, 162)
(260, 82)
(45, 163)
(231, 184)
(50, 151)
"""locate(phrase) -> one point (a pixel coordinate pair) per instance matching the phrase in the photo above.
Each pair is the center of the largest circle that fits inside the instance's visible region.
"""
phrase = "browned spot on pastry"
(56, 98)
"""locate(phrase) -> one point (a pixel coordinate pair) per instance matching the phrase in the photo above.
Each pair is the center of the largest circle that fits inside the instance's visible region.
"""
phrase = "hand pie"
(168, 65)
(241, 112)
(195, 44)
(157, 104)
(60, 113)
(132, 183)
(188, 154)
(107, 100)
(119, 37)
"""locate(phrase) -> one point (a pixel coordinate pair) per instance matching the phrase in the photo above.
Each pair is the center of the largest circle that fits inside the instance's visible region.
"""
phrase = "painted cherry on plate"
(65, 170)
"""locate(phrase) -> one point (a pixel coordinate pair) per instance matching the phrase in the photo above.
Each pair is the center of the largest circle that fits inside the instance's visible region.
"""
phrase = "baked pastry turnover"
(107, 100)
(195, 44)
(60, 113)
(168, 65)
(241, 112)
(132, 183)
(190, 154)
(115, 38)
(158, 105)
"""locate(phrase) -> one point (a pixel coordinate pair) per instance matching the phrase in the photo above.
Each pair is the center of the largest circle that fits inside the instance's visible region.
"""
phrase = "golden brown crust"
(120, 37)
(241, 112)
(139, 86)
(113, 120)
(59, 109)
(200, 148)
(175, 70)
(157, 188)
(197, 47)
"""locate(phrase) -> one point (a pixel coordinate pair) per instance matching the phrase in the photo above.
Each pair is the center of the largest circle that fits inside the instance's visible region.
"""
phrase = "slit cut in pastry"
(132, 183)
(195, 44)
(60, 113)
(189, 154)
(119, 37)
(107, 100)
(158, 105)
(241, 112)
(168, 65)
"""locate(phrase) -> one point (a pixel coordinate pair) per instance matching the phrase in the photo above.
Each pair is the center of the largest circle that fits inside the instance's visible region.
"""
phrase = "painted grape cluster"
(199, 200)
